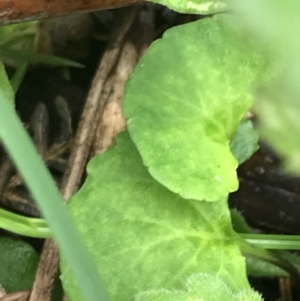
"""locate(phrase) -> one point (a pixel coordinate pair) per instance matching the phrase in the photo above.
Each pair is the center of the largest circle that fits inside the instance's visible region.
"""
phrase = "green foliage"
(245, 141)
(203, 7)
(31, 56)
(16, 45)
(255, 266)
(200, 287)
(19, 75)
(6, 88)
(185, 101)
(18, 261)
(276, 24)
(142, 236)
(20, 34)
(184, 112)
(16, 48)
(42, 188)
(22, 225)
(139, 212)
(261, 268)
(239, 224)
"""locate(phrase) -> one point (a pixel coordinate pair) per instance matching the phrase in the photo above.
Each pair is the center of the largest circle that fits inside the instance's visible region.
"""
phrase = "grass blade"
(25, 55)
(42, 187)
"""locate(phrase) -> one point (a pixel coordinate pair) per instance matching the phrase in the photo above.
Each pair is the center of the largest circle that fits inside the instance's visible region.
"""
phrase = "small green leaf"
(203, 7)
(260, 268)
(184, 102)
(18, 34)
(143, 236)
(239, 223)
(18, 261)
(204, 287)
(19, 75)
(245, 141)
(5, 85)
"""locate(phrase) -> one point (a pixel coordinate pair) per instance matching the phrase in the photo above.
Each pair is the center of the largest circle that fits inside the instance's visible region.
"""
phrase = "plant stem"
(37, 227)
(271, 257)
(33, 227)
(273, 242)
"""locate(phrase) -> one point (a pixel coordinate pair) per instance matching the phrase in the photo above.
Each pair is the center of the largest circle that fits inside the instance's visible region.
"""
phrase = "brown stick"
(16, 296)
(24, 10)
(285, 289)
(46, 272)
(91, 114)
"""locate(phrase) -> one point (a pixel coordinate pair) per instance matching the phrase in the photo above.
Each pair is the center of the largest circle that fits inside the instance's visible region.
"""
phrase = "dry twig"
(20, 10)
(16, 296)
(285, 289)
(112, 121)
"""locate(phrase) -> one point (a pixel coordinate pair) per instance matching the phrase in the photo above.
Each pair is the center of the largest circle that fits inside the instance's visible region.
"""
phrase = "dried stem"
(25, 10)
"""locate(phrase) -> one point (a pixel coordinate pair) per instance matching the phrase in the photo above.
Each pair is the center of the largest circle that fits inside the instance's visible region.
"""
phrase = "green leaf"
(21, 71)
(260, 268)
(19, 75)
(19, 33)
(24, 40)
(5, 86)
(245, 141)
(184, 102)
(195, 6)
(143, 236)
(16, 41)
(204, 287)
(18, 264)
(276, 24)
(239, 223)
(31, 56)
(10, 31)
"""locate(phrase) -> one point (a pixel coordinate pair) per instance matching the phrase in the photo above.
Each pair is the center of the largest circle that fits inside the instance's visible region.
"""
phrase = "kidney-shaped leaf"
(142, 236)
(184, 102)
